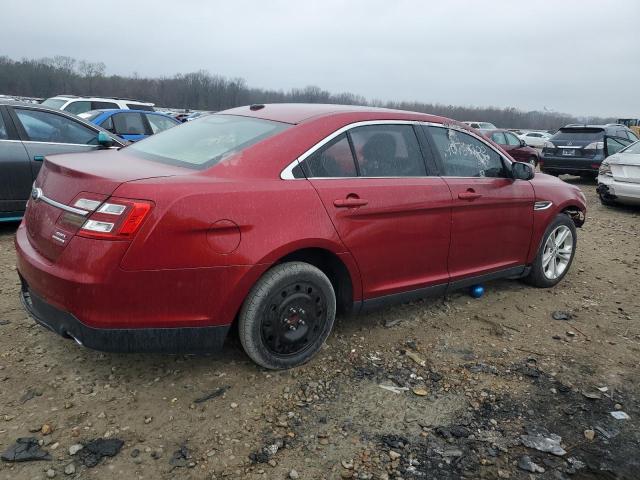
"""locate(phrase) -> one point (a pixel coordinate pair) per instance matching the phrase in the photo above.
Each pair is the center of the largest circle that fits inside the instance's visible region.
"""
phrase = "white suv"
(77, 105)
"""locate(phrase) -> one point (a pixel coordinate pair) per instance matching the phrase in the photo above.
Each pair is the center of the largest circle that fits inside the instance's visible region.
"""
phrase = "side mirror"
(522, 171)
(523, 143)
(104, 140)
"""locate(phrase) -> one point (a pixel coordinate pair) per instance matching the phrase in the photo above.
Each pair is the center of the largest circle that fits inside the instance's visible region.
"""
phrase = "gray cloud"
(571, 56)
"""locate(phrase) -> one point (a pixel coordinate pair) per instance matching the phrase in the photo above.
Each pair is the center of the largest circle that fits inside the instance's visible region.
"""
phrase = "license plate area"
(568, 152)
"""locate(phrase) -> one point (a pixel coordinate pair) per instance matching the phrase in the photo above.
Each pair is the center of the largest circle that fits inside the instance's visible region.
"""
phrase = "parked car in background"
(535, 139)
(514, 146)
(481, 125)
(619, 177)
(580, 149)
(195, 115)
(131, 125)
(77, 105)
(28, 132)
(275, 217)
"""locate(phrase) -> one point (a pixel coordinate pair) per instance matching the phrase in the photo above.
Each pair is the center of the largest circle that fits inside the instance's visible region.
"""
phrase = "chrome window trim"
(61, 143)
(287, 172)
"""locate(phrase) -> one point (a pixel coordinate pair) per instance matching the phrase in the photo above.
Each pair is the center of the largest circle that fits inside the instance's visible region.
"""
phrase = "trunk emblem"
(36, 194)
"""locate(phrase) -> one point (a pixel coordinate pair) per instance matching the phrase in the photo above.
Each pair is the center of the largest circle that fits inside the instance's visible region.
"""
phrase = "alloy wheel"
(557, 252)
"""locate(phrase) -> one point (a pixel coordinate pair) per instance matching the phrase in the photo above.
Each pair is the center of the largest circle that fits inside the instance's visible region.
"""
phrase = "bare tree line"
(201, 90)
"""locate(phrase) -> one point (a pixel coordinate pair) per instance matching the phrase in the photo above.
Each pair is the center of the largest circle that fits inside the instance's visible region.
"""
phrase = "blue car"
(132, 125)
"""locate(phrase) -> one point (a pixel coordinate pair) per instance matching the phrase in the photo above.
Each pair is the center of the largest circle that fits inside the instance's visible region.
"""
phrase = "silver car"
(619, 177)
(28, 132)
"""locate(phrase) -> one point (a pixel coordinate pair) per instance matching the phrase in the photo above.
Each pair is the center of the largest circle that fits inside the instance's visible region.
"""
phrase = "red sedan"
(513, 145)
(275, 217)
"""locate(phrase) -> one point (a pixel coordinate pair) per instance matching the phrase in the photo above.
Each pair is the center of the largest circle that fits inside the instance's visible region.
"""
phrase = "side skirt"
(437, 290)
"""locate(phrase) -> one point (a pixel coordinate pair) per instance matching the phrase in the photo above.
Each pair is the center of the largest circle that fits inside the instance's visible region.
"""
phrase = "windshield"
(54, 103)
(633, 148)
(579, 134)
(206, 142)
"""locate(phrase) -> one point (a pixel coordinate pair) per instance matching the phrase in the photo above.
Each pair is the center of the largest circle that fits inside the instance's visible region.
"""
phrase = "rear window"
(580, 134)
(206, 142)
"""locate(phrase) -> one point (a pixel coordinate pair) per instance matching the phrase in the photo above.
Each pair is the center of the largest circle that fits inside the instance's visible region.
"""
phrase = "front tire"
(287, 315)
(555, 255)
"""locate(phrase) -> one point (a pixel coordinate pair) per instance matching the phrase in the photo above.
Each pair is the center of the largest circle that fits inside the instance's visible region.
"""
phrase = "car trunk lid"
(626, 168)
(52, 219)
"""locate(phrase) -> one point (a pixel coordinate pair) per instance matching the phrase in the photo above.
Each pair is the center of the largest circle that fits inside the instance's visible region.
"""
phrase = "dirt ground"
(471, 377)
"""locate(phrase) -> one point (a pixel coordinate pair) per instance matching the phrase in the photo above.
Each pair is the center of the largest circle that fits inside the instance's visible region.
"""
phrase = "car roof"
(99, 99)
(127, 110)
(491, 130)
(299, 112)
(39, 106)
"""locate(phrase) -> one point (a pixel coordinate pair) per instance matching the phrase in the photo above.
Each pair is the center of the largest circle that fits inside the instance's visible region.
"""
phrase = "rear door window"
(51, 128)
(104, 105)
(512, 139)
(78, 107)
(463, 155)
(107, 124)
(129, 124)
(614, 145)
(4, 135)
(387, 151)
(498, 137)
(333, 160)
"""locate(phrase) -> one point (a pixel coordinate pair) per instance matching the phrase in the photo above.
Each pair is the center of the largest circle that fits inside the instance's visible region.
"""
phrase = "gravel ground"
(469, 382)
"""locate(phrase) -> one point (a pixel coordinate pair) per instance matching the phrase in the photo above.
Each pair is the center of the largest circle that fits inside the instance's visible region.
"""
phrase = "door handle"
(469, 195)
(350, 202)
(38, 158)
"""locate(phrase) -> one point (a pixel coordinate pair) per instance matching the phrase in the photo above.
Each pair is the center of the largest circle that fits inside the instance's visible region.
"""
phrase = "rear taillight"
(117, 218)
(595, 146)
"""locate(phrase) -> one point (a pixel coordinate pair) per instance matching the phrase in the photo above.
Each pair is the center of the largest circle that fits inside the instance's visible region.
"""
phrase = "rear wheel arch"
(333, 267)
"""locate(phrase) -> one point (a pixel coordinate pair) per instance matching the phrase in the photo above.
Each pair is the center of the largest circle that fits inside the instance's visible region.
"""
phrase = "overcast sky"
(574, 56)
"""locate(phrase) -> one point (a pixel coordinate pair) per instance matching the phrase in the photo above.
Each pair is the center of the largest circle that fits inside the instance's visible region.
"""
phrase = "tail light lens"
(595, 146)
(118, 218)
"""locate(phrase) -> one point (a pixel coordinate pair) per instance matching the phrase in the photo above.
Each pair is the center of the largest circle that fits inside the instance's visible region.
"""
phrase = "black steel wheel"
(287, 316)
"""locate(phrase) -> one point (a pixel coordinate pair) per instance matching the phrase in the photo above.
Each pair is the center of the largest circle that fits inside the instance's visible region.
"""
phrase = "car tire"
(551, 265)
(287, 315)
(606, 201)
(533, 161)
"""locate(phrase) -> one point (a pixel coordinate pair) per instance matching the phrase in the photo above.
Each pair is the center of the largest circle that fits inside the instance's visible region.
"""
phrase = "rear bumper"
(123, 340)
(623, 192)
(571, 166)
(84, 294)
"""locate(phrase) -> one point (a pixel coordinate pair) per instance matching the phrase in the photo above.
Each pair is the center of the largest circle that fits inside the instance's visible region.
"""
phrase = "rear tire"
(555, 254)
(533, 161)
(287, 315)
(607, 201)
